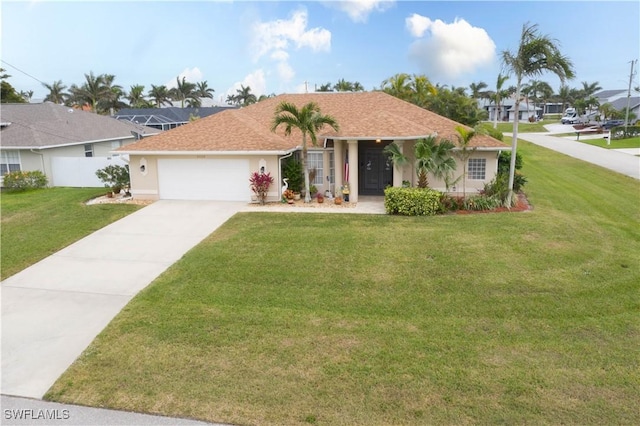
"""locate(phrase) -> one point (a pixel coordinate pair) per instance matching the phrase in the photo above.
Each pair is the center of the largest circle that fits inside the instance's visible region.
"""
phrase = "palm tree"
(309, 120)
(606, 110)
(476, 89)
(499, 96)
(422, 90)
(464, 143)
(538, 87)
(27, 95)
(343, 86)
(590, 89)
(398, 85)
(536, 54)
(160, 95)
(203, 90)
(111, 101)
(92, 91)
(56, 92)
(136, 97)
(244, 96)
(325, 88)
(431, 157)
(184, 90)
(565, 96)
(357, 87)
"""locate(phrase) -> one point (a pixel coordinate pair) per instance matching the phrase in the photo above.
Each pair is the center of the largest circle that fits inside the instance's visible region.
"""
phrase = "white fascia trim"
(219, 153)
(373, 138)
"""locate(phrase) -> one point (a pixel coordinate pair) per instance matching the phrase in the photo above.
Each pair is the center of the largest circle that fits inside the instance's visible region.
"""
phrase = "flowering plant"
(288, 194)
(260, 183)
(345, 188)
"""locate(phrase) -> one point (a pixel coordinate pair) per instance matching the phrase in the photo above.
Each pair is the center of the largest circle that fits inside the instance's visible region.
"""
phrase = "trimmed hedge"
(412, 201)
(619, 133)
(21, 181)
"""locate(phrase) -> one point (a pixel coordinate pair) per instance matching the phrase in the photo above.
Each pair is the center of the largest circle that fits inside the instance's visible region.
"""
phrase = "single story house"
(212, 158)
(166, 118)
(68, 145)
(506, 112)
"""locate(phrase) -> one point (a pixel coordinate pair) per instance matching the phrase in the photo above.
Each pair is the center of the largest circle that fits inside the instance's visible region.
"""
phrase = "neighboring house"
(634, 106)
(507, 109)
(166, 118)
(68, 145)
(610, 96)
(212, 158)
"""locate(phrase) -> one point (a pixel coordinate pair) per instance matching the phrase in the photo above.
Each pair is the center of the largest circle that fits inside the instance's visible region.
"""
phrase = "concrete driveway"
(52, 310)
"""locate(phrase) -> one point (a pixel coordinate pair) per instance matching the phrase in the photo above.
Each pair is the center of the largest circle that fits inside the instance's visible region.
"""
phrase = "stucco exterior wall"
(144, 185)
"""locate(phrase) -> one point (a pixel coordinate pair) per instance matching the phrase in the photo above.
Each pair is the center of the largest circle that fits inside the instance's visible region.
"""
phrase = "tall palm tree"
(565, 96)
(111, 101)
(92, 91)
(244, 96)
(430, 156)
(27, 95)
(589, 89)
(537, 87)
(476, 89)
(536, 54)
(422, 90)
(160, 95)
(56, 94)
(308, 120)
(358, 87)
(184, 90)
(499, 96)
(398, 85)
(203, 90)
(136, 97)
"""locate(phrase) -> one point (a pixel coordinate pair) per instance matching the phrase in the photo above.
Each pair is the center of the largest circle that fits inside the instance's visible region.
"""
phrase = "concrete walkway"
(620, 162)
(52, 310)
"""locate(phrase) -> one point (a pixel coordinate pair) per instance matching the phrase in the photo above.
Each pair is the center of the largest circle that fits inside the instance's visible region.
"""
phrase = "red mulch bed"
(522, 205)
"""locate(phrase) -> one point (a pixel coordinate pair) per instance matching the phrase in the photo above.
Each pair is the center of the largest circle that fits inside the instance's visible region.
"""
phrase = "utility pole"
(626, 119)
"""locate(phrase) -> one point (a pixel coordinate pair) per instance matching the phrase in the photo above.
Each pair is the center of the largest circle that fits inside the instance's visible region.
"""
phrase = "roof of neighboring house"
(170, 115)
(48, 125)
(621, 103)
(360, 115)
(606, 94)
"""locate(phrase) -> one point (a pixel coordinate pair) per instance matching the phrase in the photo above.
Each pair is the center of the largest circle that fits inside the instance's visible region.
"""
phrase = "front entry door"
(375, 168)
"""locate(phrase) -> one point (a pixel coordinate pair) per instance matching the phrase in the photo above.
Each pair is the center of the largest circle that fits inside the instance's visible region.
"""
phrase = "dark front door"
(375, 169)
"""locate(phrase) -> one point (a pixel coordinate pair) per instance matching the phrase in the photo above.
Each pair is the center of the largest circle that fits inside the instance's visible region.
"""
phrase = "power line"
(23, 72)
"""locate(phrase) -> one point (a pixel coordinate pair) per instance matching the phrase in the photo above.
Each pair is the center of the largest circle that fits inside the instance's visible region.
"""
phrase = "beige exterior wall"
(144, 185)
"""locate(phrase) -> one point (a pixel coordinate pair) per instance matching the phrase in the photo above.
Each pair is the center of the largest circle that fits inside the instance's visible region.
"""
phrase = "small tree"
(260, 183)
(294, 171)
(115, 177)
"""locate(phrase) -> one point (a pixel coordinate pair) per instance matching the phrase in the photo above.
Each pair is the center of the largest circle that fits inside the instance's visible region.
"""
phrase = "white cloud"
(449, 50)
(285, 72)
(192, 75)
(359, 10)
(417, 24)
(280, 35)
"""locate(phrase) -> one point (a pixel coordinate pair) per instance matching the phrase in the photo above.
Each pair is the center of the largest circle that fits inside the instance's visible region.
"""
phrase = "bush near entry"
(412, 201)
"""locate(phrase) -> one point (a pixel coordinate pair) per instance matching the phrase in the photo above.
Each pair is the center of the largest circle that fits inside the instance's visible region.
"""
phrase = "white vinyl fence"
(80, 171)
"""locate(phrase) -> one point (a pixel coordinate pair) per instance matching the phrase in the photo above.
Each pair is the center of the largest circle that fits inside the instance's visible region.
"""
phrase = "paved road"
(619, 162)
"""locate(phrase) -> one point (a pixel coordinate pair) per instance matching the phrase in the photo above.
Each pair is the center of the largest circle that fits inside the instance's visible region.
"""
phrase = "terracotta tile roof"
(361, 115)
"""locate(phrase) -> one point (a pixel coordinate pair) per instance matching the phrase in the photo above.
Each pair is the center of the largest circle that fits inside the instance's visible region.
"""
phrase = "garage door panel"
(204, 179)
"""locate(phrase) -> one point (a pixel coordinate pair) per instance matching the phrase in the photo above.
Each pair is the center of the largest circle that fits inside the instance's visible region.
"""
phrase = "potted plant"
(338, 200)
(345, 191)
(320, 198)
(288, 195)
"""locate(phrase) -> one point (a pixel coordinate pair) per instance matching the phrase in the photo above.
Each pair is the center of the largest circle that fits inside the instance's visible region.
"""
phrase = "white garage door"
(206, 179)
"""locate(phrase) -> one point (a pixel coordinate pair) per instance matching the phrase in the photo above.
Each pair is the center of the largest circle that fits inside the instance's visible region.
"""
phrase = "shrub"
(482, 202)
(494, 133)
(619, 133)
(260, 183)
(504, 162)
(114, 176)
(294, 171)
(21, 181)
(450, 203)
(412, 201)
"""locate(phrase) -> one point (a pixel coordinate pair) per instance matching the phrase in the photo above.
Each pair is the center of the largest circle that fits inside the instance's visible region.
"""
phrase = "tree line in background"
(101, 95)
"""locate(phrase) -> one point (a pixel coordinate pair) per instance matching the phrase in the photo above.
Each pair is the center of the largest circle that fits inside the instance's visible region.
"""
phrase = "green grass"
(523, 127)
(615, 144)
(38, 223)
(510, 318)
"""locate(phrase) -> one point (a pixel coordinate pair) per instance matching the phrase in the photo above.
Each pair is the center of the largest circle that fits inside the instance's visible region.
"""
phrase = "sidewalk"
(620, 162)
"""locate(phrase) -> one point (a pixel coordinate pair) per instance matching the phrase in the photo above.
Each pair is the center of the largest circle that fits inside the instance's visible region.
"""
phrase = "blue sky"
(274, 47)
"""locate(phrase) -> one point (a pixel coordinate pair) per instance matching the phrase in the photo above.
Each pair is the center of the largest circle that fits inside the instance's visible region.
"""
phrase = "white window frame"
(88, 150)
(315, 160)
(11, 161)
(477, 169)
(332, 167)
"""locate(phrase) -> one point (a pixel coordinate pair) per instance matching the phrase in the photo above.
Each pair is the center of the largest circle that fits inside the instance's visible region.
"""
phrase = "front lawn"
(615, 144)
(509, 318)
(523, 126)
(38, 223)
